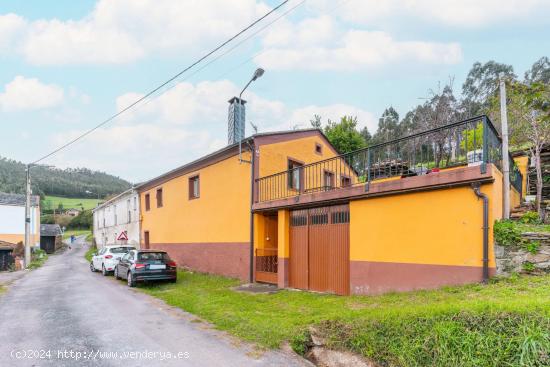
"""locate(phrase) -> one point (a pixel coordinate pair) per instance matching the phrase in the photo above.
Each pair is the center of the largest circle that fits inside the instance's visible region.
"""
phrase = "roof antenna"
(254, 127)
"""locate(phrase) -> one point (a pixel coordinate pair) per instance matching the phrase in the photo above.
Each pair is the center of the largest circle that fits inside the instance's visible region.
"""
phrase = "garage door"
(319, 249)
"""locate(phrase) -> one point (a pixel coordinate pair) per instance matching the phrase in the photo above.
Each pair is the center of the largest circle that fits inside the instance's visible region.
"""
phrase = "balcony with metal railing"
(471, 144)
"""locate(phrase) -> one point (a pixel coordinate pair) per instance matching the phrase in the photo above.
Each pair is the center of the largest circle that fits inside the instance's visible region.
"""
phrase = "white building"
(12, 218)
(117, 221)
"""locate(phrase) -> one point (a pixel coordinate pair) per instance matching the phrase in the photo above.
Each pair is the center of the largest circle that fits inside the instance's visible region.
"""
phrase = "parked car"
(145, 265)
(107, 258)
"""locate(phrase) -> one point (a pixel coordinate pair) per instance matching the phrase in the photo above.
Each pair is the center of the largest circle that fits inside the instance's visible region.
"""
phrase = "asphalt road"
(64, 315)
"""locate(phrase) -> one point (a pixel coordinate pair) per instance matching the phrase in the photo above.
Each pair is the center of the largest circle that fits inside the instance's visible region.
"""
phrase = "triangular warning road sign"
(123, 236)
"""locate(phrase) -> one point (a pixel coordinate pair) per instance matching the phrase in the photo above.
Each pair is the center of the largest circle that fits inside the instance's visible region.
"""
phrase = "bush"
(530, 218)
(507, 233)
(448, 339)
(83, 220)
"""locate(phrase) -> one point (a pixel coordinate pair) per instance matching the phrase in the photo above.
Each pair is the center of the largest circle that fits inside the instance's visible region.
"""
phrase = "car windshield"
(153, 257)
(121, 250)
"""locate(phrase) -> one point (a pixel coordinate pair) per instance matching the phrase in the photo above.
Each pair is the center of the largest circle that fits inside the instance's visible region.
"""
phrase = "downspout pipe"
(252, 160)
(477, 190)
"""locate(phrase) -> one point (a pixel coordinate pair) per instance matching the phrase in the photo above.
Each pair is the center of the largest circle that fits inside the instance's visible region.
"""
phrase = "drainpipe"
(252, 159)
(480, 195)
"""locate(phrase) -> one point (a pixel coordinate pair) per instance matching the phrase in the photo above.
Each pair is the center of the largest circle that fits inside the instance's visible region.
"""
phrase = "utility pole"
(28, 218)
(505, 156)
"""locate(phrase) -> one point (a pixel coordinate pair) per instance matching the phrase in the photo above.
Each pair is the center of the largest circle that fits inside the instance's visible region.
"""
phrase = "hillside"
(70, 182)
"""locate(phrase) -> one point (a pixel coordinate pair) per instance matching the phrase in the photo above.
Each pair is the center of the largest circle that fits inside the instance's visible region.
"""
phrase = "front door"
(319, 249)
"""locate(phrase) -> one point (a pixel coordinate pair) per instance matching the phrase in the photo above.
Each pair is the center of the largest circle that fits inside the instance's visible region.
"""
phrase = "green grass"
(523, 227)
(505, 323)
(77, 232)
(88, 255)
(38, 259)
(68, 203)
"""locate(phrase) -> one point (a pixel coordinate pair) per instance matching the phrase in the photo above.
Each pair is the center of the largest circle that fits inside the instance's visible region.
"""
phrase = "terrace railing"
(470, 142)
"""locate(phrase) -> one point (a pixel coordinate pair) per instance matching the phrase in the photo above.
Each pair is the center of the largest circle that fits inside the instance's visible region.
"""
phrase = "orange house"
(416, 212)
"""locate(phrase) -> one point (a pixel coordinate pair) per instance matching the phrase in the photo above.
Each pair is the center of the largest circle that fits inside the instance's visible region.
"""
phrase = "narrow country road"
(64, 315)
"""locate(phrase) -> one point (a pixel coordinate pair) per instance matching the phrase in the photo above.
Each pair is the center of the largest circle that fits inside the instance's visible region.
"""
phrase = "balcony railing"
(470, 142)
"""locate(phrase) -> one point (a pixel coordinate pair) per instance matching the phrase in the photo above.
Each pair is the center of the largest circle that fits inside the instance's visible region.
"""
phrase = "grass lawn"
(506, 323)
(68, 203)
(88, 255)
(77, 232)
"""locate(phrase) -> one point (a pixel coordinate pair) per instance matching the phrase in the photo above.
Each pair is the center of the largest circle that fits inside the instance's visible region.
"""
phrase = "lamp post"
(257, 74)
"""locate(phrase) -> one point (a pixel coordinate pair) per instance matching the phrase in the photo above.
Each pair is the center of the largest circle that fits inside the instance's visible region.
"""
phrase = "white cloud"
(351, 50)
(11, 25)
(454, 13)
(29, 94)
(121, 31)
(184, 123)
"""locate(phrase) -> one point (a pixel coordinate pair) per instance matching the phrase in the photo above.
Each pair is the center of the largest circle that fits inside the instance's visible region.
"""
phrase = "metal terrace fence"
(470, 142)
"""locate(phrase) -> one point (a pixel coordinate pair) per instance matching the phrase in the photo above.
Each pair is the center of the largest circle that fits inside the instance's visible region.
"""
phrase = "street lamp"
(257, 74)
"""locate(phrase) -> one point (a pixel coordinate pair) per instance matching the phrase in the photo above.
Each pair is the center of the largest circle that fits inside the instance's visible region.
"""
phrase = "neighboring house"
(116, 221)
(72, 212)
(50, 237)
(6, 255)
(413, 213)
(12, 218)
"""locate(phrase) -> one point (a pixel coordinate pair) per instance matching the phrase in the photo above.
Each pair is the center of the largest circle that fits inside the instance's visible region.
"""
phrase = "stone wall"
(510, 259)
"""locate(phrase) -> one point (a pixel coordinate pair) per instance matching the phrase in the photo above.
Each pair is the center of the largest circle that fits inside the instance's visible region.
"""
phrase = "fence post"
(368, 171)
(485, 145)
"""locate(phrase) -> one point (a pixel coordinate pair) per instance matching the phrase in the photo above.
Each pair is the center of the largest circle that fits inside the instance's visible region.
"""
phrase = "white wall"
(12, 220)
(113, 217)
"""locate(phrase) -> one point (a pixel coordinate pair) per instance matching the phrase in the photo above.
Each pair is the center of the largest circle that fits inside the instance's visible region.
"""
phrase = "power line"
(139, 100)
(229, 50)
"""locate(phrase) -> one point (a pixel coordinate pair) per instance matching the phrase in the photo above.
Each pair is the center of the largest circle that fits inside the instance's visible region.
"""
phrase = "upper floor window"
(135, 203)
(318, 148)
(147, 202)
(159, 198)
(194, 187)
(128, 210)
(294, 174)
(114, 213)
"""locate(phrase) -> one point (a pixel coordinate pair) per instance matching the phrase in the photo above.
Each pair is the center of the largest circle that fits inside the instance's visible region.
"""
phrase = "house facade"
(117, 221)
(12, 218)
(413, 213)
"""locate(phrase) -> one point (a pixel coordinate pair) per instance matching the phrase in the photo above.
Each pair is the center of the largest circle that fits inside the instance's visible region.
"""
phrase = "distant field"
(69, 203)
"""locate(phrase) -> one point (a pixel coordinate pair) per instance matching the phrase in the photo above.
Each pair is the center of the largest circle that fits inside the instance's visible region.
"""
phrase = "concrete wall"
(420, 240)
(210, 233)
(114, 217)
(12, 224)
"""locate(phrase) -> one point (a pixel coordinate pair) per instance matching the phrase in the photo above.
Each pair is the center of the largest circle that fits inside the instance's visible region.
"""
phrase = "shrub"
(530, 218)
(528, 266)
(507, 233)
(532, 246)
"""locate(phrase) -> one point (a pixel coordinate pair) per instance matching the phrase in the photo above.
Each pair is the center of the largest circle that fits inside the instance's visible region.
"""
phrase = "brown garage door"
(319, 249)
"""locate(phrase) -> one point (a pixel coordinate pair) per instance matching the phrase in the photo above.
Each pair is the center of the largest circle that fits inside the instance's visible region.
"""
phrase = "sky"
(66, 66)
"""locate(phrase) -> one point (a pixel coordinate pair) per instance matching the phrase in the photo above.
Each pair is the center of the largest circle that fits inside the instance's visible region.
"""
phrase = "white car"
(108, 257)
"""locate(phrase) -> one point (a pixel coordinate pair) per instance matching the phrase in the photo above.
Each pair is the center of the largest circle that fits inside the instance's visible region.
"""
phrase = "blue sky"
(67, 65)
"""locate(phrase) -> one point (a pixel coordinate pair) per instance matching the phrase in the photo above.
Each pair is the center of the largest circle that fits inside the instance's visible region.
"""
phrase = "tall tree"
(344, 135)
(316, 122)
(440, 110)
(388, 126)
(481, 83)
(529, 107)
(539, 72)
(365, 133)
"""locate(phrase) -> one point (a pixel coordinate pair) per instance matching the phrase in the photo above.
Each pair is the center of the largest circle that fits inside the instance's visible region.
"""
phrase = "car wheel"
(92, 268)
(116, 273)
(104, 271)
(131, 281)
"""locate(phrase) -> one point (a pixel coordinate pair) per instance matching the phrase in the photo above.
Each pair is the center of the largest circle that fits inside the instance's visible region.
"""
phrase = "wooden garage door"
(319, 241)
